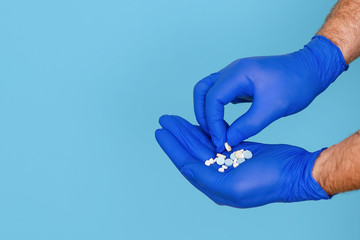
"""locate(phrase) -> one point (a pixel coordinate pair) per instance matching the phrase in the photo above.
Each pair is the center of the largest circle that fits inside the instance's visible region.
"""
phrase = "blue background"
(82, 85)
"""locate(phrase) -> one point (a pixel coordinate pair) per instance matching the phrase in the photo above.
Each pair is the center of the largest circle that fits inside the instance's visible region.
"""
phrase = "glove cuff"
(329, 57)
(314, 190)
(305, 187)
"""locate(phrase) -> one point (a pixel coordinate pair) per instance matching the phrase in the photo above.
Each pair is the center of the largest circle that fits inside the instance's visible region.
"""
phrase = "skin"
(337, 169)
(342, 28)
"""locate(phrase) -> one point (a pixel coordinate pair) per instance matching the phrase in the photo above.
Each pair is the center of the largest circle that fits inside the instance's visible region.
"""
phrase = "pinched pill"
(211, 161)
(227, 147)
(229, 162)
(224, 167)
(221, 169)
(235, 165)
(232, 156)
(220, 155)
(220, 160)
(247, 154)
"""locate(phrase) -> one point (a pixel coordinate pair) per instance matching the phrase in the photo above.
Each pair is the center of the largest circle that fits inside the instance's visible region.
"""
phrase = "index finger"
(221, 93)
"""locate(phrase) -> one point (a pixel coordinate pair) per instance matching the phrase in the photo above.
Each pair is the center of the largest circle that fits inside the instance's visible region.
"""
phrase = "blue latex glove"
(278, 86)
(276, 173)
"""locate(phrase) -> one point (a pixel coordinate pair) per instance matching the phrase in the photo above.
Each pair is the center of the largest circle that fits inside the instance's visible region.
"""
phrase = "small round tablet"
(220, 161)
(207, 163)
(240, 160)
(248, 154)
(229, 162)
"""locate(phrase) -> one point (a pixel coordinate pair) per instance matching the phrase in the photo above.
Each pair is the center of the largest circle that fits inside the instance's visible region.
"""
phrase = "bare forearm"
(342, 27)
(337, 169)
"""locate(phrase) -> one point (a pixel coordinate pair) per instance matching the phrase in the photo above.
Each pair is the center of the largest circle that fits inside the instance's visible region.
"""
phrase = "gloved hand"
(276, 173)
(278, 86)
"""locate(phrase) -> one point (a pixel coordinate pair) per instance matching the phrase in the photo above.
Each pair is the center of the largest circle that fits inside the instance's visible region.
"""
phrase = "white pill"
(211, 161)
(224, 167)
(229, 162)
(220, 161)
(235, 165)
(240, 160)
(239, 154)
(232, 156)
(221, 169)
(207, 163)
(220, 155)
(227, 147)
(248, 154)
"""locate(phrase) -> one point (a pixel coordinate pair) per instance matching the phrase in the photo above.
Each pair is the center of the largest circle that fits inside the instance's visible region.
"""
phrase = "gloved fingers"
(250, 123)
(173, 149)
(197, 145)
(223, 92)
(179, 156)
(200, 91)
(197, 131)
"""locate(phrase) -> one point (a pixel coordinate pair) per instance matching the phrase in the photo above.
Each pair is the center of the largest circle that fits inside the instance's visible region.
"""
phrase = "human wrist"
(303, 185)
(319, 171)
(336, 41)
(329, 59)
(342, 28)
(314, 188)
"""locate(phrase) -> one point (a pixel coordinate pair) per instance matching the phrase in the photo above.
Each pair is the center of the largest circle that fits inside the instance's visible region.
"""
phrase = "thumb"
(252, 122)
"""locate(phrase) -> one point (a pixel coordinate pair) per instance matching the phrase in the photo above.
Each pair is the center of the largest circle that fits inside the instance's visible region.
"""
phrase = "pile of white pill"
(235, 159)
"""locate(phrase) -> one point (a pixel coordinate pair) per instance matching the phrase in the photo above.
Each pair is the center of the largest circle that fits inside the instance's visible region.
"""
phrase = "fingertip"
(158, 133)
(200, 88)
(163, 119)
(218, 142)
(220, 149)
